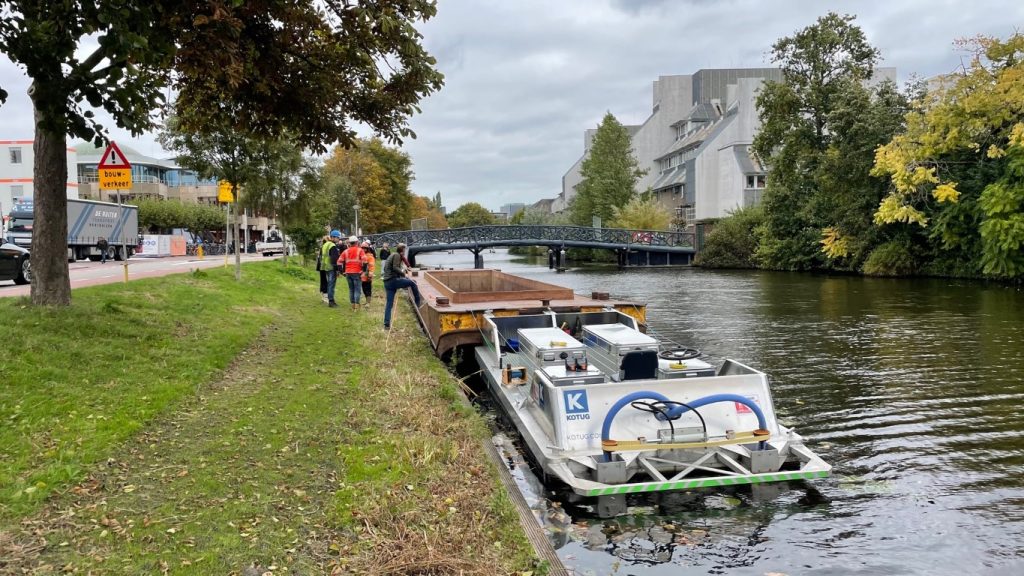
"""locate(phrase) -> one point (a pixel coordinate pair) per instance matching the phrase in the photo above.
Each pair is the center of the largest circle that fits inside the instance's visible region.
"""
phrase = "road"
(85, 273)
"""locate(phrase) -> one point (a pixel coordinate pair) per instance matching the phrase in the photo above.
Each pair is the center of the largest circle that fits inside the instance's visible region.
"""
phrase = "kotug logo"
(576, 407)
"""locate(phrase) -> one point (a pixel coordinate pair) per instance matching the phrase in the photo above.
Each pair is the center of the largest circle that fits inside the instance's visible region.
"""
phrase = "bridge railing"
(547, 235)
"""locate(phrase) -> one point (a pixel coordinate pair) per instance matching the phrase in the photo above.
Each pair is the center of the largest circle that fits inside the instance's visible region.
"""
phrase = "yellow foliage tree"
(642, 213)
(966, 136)
(370, 182)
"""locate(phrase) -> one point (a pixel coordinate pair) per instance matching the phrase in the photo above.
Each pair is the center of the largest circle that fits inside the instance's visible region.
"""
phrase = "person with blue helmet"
(330, 252)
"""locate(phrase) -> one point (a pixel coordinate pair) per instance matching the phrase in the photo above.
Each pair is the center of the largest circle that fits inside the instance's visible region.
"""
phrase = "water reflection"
(910, 388)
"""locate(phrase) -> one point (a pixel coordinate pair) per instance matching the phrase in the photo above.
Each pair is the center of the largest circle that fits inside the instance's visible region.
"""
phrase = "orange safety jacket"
(352, 260)
(371, 267)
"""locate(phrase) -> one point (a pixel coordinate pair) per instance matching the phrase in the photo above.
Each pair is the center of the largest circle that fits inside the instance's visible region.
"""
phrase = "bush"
(894, 258)
(732, 241)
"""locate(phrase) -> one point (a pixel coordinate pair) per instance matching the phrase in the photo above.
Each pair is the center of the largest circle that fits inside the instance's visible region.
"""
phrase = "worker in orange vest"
(371, 267)
(353, 264)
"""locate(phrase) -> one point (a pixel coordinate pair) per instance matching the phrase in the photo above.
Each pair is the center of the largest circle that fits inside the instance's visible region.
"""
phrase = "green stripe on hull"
(705, 483)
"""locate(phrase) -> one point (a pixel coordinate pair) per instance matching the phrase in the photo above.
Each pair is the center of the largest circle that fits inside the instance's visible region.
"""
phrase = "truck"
(88, 221)
(274, 243)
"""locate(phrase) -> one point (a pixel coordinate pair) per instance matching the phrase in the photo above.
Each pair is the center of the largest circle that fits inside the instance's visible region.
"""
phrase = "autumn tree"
(261, 67)
(398, 176)
(423, 208)
(357, 168)
(609, 174)
(470, 214)
(958, 171)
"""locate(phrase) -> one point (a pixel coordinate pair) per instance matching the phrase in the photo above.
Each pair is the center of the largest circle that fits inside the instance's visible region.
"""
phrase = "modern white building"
(16, 161)
(695, 145)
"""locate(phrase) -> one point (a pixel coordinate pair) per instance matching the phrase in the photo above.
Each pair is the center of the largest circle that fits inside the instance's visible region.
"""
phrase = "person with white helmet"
(371, 267)
(353, 263)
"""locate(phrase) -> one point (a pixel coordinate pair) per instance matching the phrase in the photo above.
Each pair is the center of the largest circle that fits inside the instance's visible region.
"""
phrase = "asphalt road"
(86, 273)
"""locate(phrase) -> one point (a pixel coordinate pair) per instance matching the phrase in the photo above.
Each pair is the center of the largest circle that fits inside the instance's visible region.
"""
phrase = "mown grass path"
(249, 429)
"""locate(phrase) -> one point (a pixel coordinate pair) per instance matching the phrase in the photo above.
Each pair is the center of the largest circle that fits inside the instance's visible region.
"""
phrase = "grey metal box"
(546, 345)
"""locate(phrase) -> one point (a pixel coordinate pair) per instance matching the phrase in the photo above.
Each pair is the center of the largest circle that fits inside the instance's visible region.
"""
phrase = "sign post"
(224, 195)
(116, 174)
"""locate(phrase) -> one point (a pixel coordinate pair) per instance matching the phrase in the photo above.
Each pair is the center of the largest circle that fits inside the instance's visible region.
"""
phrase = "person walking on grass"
(323, 264)
(353, 263)
(393, 275)
(385, 251)
(371, 267)
(331, 252)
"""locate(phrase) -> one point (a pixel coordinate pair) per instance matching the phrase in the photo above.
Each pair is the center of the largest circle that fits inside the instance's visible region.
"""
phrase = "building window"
(755, 181)
(15, 155)
(17, 191)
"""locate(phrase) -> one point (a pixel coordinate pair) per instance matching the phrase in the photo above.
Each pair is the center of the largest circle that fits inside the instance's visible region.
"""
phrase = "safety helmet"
(352, 239)
(335, 234)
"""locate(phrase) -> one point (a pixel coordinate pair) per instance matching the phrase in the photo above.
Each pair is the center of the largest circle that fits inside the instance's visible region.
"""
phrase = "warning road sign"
(114, 170)
(224, 192)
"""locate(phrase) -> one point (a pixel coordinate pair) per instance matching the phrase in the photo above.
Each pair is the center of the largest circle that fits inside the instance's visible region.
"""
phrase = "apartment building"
(695, 145)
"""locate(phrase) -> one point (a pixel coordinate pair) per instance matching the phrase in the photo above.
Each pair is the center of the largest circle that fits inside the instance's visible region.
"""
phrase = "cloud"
(525, 79)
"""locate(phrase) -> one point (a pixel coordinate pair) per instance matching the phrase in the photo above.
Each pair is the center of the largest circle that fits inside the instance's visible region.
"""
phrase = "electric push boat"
(610, 411)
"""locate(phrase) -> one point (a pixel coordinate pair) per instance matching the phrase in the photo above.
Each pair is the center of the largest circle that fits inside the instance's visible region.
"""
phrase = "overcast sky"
(524, 79)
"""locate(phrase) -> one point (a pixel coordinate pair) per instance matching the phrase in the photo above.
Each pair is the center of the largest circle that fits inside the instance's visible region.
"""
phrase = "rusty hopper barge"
(601, 405)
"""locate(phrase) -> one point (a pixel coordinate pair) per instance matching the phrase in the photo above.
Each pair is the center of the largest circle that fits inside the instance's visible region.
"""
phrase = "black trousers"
(323, 281)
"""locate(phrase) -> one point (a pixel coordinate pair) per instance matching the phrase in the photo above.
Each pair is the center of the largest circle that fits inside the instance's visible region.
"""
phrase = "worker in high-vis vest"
(371, 267)
(329, 254)
(324, 264)
(353, 264)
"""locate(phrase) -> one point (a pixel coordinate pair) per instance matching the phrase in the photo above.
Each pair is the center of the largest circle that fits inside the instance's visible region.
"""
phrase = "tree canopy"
(819, 127)
(609, 174)
(642, 213)
(959, 168)
(261, 68)
(470, 214)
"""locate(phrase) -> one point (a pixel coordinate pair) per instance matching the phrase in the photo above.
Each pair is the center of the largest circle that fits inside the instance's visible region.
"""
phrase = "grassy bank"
(195, 425)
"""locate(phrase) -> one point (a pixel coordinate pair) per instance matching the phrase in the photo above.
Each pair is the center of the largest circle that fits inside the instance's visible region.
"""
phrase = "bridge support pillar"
(560, 260)
(478, 260)
(551, 258)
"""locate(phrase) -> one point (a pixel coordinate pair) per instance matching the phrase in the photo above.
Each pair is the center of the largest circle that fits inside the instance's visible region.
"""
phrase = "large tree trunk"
(51, 283)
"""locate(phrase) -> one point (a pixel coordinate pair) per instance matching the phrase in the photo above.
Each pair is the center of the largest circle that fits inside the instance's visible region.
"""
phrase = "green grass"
(195, 425)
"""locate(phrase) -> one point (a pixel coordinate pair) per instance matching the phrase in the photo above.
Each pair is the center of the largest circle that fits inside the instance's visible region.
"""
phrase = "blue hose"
(676, 411)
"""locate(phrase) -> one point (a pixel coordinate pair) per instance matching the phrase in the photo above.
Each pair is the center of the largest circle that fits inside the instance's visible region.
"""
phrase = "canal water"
(912, 389)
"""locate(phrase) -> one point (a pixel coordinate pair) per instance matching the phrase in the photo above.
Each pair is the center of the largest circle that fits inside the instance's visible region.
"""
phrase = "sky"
(525, 78)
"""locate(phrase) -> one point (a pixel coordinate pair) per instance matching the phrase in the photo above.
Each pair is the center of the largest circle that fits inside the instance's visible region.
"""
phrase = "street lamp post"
(356, 231)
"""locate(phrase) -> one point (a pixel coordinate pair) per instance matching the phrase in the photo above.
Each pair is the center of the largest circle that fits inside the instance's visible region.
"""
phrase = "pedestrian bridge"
(632, 247)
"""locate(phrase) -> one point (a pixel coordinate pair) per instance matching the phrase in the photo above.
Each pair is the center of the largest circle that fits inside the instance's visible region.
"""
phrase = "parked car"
(14, 263)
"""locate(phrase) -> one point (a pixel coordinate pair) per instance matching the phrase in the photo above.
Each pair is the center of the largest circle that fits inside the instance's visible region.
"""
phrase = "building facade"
(696, 144)
(16, 170)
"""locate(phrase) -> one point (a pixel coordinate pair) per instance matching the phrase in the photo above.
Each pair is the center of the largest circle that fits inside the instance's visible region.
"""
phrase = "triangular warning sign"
(113, 158)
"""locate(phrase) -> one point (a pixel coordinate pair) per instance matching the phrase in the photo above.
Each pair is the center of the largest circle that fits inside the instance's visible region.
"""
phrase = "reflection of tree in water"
(720, 530)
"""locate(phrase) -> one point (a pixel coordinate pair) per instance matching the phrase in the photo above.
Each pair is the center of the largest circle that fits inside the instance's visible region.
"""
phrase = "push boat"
(609, 410)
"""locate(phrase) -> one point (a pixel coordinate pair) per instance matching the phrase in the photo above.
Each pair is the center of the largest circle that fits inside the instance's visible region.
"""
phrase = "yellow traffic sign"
(224, 192)
(114, 170)
(115, 179)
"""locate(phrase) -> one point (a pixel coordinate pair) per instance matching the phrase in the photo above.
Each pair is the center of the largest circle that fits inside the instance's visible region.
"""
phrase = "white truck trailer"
(88, 221)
